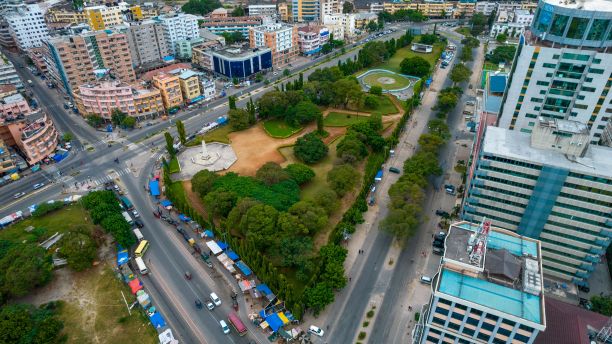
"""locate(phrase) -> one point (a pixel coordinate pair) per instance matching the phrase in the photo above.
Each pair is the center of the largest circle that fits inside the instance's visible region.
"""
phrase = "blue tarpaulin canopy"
(165, 203)
(244, 268)
(274, 321)
(222, 245)
(154, 187)
(232, 255)
(264, 289)
(184, 218)
(157, 320)
(122, 255)
(208, 233)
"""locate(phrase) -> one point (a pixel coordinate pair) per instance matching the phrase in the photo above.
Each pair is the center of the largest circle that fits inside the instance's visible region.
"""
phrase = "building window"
(550, 65)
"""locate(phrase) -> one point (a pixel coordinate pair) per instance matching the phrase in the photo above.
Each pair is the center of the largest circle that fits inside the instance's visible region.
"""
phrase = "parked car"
(438, 243)
(438, 251)
(139, 223)
(394, 170)
(209, 304)
(135, 213)
(19, 195)
(38, 185)
(426, 279)
(215, 299)
(317, 331)
(442, 213)
(224, 326)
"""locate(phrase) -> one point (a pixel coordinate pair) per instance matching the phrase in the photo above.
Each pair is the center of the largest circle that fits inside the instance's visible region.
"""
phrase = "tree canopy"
(200, 7)
(310, 149)
(460, 73)
(342, 178)
(415, 66)
(271, 173)
(301, 173)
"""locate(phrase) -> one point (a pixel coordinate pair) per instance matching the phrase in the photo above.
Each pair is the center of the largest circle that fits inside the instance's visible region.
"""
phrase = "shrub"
(300, 173)
(310, 149)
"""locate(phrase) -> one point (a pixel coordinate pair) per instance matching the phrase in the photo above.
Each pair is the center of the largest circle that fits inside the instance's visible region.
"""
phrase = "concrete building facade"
(330, 7)
(147, 41)
(240, 62)
(219, 25)
(549, 185)
(105, 17)
(282, 40)
(346, 21)
(27, 26)
(512, 24)
(179, 26)
(33, 135)
(262, 10)
(306, 10)
(488, 289)
(8, 74)
(189, 82)
(312, 38)
(82, 59)
(170, 88)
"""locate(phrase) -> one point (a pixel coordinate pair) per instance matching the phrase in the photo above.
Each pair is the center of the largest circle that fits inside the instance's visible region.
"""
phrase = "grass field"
(337, 119)
(217, 135)
(464, 30)
(385, 107)
(393, 64)
(173, 166)
(372, 79)
(280, 129)
(62, 221)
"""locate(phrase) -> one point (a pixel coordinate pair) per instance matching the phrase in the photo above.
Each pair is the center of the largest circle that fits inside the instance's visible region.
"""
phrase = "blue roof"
(184, 217)
(157, 320)
(154, 187)
(232, 255)
(515, 245)
(274, 321)
(122, 255)
(264, 289)
(244, 268)
(222, 245)
(497, 83)
(492, 295)
(209, 233)
(493, 104)
(165, 203)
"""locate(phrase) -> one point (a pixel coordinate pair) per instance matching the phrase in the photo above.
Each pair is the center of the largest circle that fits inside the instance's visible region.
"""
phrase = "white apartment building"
(8, 74)
(346, 21)
(263, 10)
(27, 26)
(312, 38)
(208, 88)
(377, 7)
(512, 24)
(179, 26)
(330, 7)
(282, 39)
(487, 7)
(550, 185)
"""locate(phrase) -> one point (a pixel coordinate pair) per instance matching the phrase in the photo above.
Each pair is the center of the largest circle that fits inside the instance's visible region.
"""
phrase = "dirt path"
(194, 199)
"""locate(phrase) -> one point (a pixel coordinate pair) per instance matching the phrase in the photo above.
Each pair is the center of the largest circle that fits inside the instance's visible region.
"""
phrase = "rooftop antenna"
(478, 249)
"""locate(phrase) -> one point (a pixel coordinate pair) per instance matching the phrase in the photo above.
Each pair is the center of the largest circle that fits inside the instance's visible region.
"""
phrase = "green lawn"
(280, 129)
(62, 221)
(374, 79)
(173, 166)
(490, 66)
(385, 107)
(337, 119)
(464, 30)
(393, 64)
(217, 135)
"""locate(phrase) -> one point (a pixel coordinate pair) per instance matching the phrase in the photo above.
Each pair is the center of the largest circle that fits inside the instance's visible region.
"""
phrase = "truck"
(468, 111)
(126, 202)
(127, 217)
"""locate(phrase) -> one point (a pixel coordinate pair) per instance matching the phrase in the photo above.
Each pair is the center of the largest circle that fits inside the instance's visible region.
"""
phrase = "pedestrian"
(409, 308)
(349, 279)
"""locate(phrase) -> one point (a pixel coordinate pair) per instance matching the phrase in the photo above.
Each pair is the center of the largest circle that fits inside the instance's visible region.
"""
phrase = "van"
(425, 279)
(215, 299)
(141, 265)
(138, 234)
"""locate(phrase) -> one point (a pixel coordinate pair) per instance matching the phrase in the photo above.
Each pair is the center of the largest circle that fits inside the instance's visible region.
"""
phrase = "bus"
(237, 324)
(138, 234)
(142, 248)
(141, 266)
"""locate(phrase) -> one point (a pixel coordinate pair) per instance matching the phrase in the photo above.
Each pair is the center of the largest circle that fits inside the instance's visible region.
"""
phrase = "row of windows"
(587, 189)
(511, 161)
(563, 254)
(492, 217)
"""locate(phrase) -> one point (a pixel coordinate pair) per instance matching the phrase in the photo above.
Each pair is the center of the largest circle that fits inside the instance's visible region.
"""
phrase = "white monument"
(205, 155)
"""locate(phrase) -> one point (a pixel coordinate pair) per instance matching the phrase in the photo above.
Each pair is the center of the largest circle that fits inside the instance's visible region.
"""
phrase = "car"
(19, 195)
(394, 170)
(209, 304)
(139, 223)
(438, 251)
(116, 187)
(425, 279)
(198, 304)
(317, 331)
(224, 326)
(186, 236)
(135, 213)
(66, 106)
(38, 185)
(180, 230)
(440, 236)
(215, 299)
(442, 213)
(438, 243)
(470, 102)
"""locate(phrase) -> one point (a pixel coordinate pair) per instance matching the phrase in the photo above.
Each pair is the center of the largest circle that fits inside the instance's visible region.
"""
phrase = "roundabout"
(389, 81)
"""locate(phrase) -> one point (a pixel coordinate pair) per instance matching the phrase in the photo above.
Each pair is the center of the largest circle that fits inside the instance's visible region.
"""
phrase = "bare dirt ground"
(194, 199)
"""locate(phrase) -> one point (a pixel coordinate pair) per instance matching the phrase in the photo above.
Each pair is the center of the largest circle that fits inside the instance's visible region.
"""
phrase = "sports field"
(386, 80)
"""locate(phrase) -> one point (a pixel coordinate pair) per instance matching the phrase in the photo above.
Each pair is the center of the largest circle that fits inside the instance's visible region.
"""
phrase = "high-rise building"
(283, 12)
(147, 41)
(105, 16)
(33, 134)
(76, 60)
(282, 39)
(27, 26)
(563, 68)
(263, 10)
(345, 21)
(329, 7)
(219, 25)
(488, 289)
(170, 89)
(306, 10)
(8, 74)
(179, 26)
(549, 185)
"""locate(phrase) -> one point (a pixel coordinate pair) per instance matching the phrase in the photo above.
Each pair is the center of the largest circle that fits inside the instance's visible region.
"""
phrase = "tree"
(311, 215)
(231, 102)
(347, 91)
(327, 199)
(429, 39)
(233, 37)
(347, 7)
(310, 149)
(342, 179)
(319, 296)
(503, 53)
(304, 112)
(180, 129)
(501, 38)
(415, 66)
(293, 250)
(236, 214)
(351, 149)
(376, 90)
(259, 224)
(466, 54)
(200, 7)
(117, 116)
(320, 124)
(15, 323)
(169, 144)
(238, 11)
(239, 119)
(439, 127)
(67, 137)
(301, 173)
(220, 201)
(23, 268)
(286, 72)
(447, 102)
(478, 22)
(79, 249)
(202, 182)
(271, 173)
(372, 26)
(371, 102)
(251, 109)
(94, 120)
(333, 275)
(460, 73)
(602, 305)
(128, 122)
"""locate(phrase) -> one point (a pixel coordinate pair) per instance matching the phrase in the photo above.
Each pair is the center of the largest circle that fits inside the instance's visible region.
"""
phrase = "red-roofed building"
(569, 324)
(148, 76)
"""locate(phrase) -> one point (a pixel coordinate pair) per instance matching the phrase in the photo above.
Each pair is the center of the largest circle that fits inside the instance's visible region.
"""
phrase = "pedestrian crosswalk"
(111, 176)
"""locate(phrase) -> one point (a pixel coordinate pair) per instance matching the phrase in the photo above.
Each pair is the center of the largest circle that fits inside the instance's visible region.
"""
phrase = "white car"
(316, 331)
(19, 195)
(224, 326)
(426, 279)
(215, 299)
(38, 185)
(135, 213)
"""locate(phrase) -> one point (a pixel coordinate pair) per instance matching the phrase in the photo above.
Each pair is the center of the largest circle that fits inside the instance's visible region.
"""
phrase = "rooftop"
(237, 52)
(569, 324)
(15, 98)
(148, 76)
(588, 5)
(502, 272)
(516, 145)
(566, 126)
